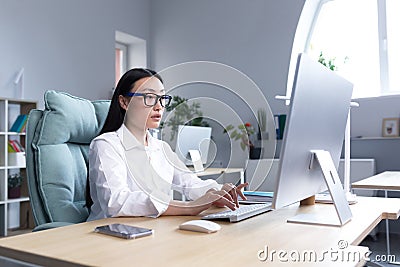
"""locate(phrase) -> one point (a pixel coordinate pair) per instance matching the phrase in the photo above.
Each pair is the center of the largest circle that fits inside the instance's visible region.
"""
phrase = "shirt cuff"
(160, 201)
(202, 188)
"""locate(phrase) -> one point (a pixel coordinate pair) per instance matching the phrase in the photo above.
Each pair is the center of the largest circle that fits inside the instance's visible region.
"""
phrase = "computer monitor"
(192, 138)
(313, 138)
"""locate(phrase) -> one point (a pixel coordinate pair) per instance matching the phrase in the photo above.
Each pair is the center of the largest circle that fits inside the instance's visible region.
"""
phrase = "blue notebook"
(18, 123)
(256, 197)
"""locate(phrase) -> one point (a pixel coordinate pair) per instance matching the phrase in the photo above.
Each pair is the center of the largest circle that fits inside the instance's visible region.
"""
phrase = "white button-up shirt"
(130, 179)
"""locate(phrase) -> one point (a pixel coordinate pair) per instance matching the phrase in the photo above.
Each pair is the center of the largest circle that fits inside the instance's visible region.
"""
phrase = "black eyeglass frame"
(159, 98)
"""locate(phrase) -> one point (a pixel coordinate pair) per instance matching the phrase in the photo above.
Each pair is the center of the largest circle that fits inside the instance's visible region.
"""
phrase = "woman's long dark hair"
(116, 113)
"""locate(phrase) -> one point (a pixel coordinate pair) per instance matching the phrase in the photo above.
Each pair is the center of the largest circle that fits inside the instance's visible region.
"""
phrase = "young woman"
(131, 173)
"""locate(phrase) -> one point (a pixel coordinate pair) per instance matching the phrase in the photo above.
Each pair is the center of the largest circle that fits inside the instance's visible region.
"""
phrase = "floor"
(378, 248)
(6, 262)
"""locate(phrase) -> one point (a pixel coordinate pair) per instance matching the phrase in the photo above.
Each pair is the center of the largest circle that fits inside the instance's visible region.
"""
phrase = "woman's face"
(141, 116)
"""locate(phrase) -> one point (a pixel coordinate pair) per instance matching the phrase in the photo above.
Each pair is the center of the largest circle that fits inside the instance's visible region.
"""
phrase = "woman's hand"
(226, 197)
(219, 198)
(234, 191)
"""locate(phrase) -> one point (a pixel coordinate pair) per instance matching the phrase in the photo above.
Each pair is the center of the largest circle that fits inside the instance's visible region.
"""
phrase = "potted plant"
(330, 63)
(262, 124)
(14, 185)
(243, 133)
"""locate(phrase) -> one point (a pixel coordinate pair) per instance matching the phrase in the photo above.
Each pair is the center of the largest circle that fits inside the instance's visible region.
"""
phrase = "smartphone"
(123, 230)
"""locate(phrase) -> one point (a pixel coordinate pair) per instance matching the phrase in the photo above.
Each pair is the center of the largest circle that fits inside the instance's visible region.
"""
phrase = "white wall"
(254, 37)
(69, 45)
(367, 118)
(65, 45)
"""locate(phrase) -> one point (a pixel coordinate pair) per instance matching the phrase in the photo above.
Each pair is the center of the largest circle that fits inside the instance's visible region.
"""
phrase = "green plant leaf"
(228, 128)
(243, 146)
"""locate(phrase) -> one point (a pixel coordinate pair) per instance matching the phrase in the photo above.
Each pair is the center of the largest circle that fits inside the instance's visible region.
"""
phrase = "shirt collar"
(152, 142)
(129, 141)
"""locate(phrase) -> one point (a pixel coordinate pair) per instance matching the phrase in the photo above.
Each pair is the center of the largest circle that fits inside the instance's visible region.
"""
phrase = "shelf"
(12, 133)
(10, 109)
(18, 101)
(15, 200)
(16, 167)
(11, 167)
(20, 199)
(374, 138)
(15, 133)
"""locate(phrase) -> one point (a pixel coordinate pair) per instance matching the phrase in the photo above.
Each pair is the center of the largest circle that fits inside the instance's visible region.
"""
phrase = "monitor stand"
(196, 160)
(335, 188)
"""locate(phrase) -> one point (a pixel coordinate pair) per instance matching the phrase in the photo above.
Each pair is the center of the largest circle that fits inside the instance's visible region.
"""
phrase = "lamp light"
(19, 79)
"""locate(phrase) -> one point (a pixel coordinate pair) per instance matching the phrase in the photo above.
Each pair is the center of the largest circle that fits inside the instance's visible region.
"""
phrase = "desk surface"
(389, 180)
(236, 244)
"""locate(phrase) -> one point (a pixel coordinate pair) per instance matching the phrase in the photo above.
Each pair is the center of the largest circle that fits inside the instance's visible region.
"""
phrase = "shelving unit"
(375, 138)
(9, 111)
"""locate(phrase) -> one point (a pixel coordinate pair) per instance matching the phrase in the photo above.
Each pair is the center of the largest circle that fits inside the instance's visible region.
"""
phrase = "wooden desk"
(236, 244)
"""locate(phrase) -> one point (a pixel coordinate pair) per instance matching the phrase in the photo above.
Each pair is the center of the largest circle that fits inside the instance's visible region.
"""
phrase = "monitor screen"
(192, 138)
(319, 107)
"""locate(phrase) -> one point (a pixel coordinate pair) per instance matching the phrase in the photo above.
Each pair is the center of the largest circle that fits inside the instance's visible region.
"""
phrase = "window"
(361, 36)
(393, 44)
(121, 54)
(130, 52)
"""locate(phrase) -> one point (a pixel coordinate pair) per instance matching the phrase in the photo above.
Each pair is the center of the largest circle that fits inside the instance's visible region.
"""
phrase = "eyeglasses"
(150, 99)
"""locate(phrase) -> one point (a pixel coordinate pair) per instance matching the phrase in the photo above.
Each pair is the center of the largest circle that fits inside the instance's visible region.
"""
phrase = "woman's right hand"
(219, 198)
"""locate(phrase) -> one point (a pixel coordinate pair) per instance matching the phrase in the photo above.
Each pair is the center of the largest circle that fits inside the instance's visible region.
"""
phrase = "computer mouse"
(202, 226)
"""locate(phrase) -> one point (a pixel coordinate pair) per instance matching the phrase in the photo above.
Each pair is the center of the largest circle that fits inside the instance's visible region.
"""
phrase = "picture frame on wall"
(390, 127)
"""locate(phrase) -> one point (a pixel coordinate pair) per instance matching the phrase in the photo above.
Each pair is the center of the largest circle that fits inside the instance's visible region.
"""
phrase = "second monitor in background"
(192, 138)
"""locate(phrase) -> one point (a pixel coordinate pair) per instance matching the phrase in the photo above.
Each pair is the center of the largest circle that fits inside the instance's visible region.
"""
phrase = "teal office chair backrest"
(58, 139)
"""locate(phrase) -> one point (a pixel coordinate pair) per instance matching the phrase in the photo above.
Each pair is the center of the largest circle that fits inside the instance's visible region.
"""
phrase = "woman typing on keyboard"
(132, 173)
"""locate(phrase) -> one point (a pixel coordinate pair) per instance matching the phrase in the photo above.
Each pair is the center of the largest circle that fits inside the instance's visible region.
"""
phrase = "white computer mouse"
(202, 226)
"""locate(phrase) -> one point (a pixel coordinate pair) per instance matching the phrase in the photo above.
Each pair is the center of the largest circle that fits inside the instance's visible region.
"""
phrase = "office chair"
(57, 147)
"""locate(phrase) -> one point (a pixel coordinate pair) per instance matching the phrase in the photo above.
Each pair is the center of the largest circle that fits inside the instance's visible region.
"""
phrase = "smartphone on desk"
(123, 230)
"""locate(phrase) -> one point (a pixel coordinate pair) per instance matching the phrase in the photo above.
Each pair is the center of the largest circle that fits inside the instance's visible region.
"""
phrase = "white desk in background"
(388, 181)
(220, 171)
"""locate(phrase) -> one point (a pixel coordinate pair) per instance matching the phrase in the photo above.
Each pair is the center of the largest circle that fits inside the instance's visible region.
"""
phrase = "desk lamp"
(19, 79)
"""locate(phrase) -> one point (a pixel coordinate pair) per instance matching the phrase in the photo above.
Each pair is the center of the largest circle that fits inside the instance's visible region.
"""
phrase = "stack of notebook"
(256, 197)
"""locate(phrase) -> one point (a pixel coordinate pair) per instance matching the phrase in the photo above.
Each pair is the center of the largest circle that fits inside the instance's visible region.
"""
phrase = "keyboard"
(241, 213)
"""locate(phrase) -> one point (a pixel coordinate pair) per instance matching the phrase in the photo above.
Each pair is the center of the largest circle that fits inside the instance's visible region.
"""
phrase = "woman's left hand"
(234, 191)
